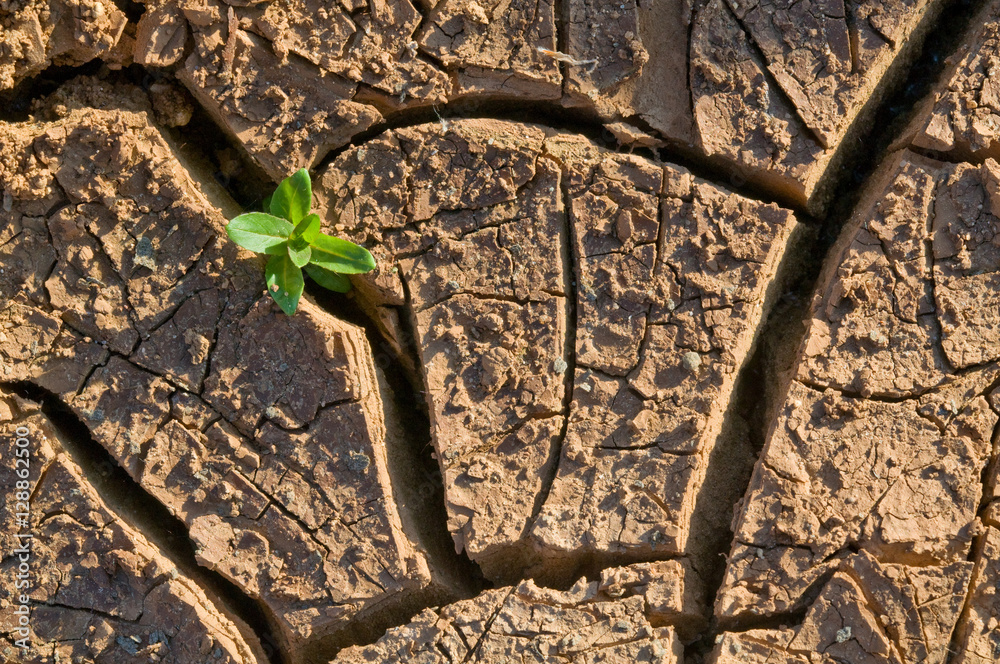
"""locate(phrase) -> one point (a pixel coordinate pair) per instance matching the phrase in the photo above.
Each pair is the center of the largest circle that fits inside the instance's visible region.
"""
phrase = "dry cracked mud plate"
(523, 437)
(606, 620)
(580, 317)
(264, 434)
(37, 34)
(268, 437)
(879, 475)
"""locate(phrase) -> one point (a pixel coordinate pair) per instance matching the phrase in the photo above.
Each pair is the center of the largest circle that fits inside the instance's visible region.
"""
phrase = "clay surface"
(768, 90)
(264, 434)
(881, 442)
(488, 306)
(899, 349)
(777, 85)
(979, 633)
(961, 118)
(99, 590)
(867, 612)
(581, 345)
(37, 33)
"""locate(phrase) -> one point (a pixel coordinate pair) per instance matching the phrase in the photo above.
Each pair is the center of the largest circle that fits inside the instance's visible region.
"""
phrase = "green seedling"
(291, 236)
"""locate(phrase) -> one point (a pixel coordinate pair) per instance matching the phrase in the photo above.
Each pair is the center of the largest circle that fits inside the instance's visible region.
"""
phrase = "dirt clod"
(602, 620)
(35, 34)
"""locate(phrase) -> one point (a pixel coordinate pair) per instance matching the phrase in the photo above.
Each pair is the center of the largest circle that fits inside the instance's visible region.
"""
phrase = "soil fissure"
(418, 488)
(976, 551)
(570, 265)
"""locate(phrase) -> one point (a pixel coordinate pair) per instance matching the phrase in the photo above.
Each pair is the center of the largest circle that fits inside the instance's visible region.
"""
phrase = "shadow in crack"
(16, 103)
(414, 472)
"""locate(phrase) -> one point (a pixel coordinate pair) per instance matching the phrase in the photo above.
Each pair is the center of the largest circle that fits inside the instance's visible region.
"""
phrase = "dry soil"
(683, 344)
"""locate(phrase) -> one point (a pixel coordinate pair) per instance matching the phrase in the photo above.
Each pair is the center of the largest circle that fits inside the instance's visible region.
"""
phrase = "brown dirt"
(609, 620)
(610, 395)
(774, 92)
(37, 34)
(899, 349)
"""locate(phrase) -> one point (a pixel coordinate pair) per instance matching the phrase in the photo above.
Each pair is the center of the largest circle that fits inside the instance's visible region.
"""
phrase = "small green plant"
(291, 236)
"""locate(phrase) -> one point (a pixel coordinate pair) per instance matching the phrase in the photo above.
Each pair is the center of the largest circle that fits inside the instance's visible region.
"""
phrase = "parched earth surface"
(683, 344)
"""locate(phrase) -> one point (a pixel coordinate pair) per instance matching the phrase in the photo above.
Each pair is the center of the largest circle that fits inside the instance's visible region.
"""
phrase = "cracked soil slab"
(35, 34)
(772, 92)
(580, 316)
(868, 612)
(979, 634)
(960, 119)
(883, 452)
(614, 619)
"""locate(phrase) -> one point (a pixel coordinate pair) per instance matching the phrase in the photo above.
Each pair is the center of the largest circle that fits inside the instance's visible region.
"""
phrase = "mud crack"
(570, 264)
(414, 473)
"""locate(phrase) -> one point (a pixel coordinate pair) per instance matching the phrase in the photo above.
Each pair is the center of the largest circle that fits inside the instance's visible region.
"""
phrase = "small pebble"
(691, 361)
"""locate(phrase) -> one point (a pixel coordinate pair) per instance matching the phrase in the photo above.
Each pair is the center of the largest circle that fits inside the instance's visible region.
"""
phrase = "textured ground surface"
(109, 594)
(629, 384)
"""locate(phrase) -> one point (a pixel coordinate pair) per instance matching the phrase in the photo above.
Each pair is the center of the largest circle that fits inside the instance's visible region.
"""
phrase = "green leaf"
(299, 254)
(338, 255)
(278, 249)
(259, 231)
(284, 282)
(329, 280)
(293, 197)
(266, 203)
(308, 229)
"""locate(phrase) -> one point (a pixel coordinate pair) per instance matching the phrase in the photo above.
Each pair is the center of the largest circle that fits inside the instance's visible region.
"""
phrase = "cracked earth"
(683, 345)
